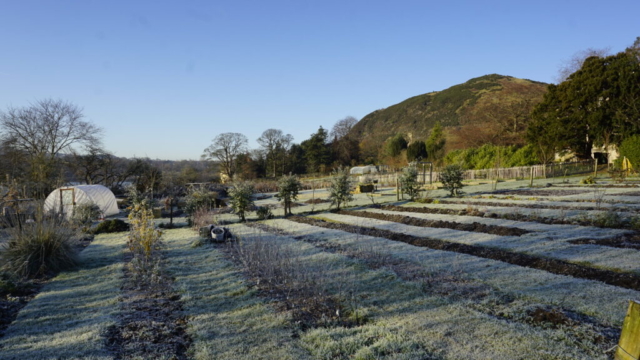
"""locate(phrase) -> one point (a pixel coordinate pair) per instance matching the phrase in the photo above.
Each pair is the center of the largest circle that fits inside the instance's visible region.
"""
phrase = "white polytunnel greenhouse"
(362, 170)
(66, 198)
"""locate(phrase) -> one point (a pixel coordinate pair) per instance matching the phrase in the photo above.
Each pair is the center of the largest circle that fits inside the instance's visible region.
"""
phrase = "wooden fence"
(520, 172)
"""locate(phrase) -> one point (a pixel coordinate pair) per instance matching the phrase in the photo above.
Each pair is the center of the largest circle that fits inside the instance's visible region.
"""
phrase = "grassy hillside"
(491, 102)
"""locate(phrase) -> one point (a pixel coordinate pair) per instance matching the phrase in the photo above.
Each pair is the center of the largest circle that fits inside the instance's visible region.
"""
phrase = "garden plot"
(227, 318)
(405, 321)
(553, 245)
(534, 209)
(605, 303)
(539, 204)
(71, 313)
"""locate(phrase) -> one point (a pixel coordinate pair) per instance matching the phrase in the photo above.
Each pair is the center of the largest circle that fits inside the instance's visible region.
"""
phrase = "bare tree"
(224, 149)
(275, 144)
(342, 127)
(575, 63)
(345, 145)
(42, 131)
(47, 128)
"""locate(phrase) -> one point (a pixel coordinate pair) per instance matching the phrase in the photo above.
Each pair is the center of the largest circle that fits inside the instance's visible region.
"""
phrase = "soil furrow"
(441, 224)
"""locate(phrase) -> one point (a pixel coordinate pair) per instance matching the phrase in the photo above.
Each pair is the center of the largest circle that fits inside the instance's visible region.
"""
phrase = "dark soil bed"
(626, 241)
(15, 296)
(554, 266)
(151, 323)
(540, 192)
(408, 220)
(317, 201)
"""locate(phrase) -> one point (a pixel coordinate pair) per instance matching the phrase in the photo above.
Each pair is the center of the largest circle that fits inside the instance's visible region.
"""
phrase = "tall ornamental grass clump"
(39, 248)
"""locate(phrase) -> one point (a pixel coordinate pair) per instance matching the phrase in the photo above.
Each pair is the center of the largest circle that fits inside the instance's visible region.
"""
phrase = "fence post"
(531, 179)
(595, 168)
(397, 190)
(629, 344)
(430, 174)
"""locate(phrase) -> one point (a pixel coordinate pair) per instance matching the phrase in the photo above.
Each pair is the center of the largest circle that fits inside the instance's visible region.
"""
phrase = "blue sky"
(164, 78)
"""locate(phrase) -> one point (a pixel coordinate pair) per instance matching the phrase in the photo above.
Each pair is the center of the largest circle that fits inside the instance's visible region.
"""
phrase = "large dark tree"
(316, 151)
(595, 106)
(416, 151)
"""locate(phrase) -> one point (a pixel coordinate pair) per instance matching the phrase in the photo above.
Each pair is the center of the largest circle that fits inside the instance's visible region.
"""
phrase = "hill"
(488, 109)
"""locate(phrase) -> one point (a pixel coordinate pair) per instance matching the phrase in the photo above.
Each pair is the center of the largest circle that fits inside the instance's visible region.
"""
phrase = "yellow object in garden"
(629, 345)
(626, 164)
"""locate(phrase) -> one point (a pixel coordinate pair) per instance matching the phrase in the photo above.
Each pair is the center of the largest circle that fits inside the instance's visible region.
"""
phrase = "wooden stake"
(531, 179)
(629, 346)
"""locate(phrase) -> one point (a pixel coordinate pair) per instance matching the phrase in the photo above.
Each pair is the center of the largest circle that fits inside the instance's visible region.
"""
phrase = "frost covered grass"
(551, 241)
(227, 318)
(605, 303)
(439, 326)
(71, 313)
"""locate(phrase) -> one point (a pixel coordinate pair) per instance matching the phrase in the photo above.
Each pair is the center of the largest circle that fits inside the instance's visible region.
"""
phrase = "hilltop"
(488, 109)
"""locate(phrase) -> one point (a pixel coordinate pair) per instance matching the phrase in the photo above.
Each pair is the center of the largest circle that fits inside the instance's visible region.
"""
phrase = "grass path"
(67, 318)
(227, 319)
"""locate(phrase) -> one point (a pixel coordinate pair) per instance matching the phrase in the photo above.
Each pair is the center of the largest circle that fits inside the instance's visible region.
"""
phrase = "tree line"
(48, 144)
(597, 103)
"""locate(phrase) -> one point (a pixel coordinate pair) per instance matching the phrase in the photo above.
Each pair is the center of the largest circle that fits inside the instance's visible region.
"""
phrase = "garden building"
(64, 199)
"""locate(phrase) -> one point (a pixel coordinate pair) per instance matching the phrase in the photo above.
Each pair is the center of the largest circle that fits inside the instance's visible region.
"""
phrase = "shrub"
(394, 145)
(340, 188)
(85, 213)
(202, 217)
(288, 188)
(608, 219)
(451, 178)
(630, 147)
(42, 247)
(144, 239)
(409, 182)
(589, 180)
(264, 213)
(111, 226)
(241, 200)
(199, 198)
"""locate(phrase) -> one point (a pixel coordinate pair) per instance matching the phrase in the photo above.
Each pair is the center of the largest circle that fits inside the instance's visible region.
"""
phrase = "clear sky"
(163, 78)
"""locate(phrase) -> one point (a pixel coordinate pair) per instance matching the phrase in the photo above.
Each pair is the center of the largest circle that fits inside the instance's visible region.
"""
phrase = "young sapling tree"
(288, 188)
